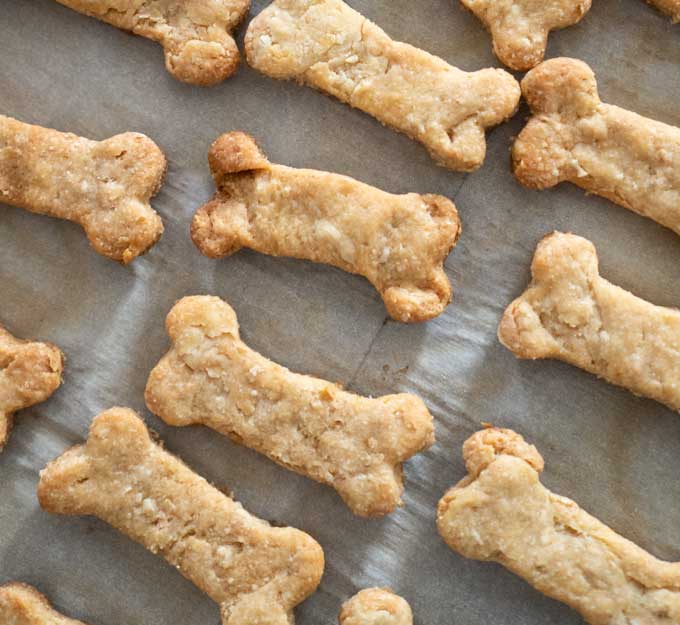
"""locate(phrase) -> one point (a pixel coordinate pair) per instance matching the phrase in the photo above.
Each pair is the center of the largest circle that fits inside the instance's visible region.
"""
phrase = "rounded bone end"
(220, 228)
(482, 448)
(235, 152)
(376, 606)
(414, 304)
(202, 63)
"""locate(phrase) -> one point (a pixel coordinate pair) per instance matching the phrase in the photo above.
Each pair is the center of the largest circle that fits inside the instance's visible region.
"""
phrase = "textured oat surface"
(398, 242)
(501, 512)
(255, 572)
(571, 313)
(354, 444)
(330, 46)
(573, 136)
(376, 606)
(196, 34)
(21, 604)
(104, 186)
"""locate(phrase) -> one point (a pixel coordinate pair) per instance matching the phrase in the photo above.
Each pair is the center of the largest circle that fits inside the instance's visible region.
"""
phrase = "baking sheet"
(617, 455)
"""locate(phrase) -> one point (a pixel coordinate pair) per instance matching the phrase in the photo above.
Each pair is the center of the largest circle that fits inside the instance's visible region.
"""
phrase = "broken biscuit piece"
(571, 313)
(520, 28)
(21, 604)
(329, 46)
(354, 444)
(376, 606)
(196, 35)
(104, 186)
(398, 242)
(256, 573)
(29, 373)
(573, 136)
(502, 513)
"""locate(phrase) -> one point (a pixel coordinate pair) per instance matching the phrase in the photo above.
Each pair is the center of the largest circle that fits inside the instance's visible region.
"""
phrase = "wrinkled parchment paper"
(617, 455)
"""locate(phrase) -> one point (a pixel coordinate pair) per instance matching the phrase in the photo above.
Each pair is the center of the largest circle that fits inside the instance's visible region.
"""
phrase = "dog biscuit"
(376, 606)
(502, 513)
(669, 7)
(21, 604)
(104, 186)
(519, 28)
(570, 313)
(354, 444)
(398, 242)
(195, 34)
(328, 45)
(256, 573)
(624, 157)
(29, 373)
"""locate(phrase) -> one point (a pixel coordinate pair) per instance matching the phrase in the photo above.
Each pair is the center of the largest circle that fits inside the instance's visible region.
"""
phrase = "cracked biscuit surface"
(354, 444)
(398, 242)
(329, 46)
(256, 573)
(571, 313)
(195, 34)
(29, 373)
(21, 604)
(104, 186)
(376, 606)
(501, 512)
(573, 136)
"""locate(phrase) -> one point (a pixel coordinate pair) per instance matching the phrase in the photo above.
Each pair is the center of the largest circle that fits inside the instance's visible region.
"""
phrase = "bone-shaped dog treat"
(354, 444)
(29, 373)
(570, 313)
(328, 45)
(519, 28)
(104, 186)
(195, 34)
(631, 160)
(376, 606)
(670, 7)
(255, 572)
(21, 604)
(501, 512)
(398, 242)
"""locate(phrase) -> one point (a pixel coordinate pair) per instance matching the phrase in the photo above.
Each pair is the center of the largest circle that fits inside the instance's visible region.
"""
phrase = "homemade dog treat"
(310, 426)
(21, 604)
(573, 136)
(670, 7)
(519, 28)
(104, 186)
(255, 572)
(29, 373)
(501, 512)
(570, 313)
(398, 242)
(376, 606)
(195, 34)
(327, 45)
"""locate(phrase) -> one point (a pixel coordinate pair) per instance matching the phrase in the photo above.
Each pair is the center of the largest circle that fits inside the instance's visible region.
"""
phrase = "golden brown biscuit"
(502, 513)
(570, 313)
(376, 606)
(29, 373)
(519, 28)
(629, 159)
(354, 444)
(21, 604)
(670, 7)
(195, 34)
(398, 242)
(104, 186)
(256, 573)
(328, 45)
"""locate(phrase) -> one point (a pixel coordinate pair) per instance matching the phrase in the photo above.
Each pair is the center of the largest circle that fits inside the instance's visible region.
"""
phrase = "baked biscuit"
(398, 242)
(376, 606)
(502, 513)
(519, 28)
(573, 136)
(670, 7)
(104, 186)
(21, 604)
(354, 444)
(329, 46)
(29, 373)
(571, 313)
(256, 573)
(195, 34)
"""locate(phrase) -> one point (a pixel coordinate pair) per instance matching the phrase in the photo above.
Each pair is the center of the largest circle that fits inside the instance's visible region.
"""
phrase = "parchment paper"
(617, 455)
